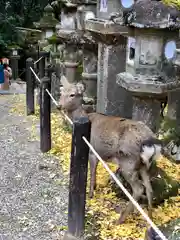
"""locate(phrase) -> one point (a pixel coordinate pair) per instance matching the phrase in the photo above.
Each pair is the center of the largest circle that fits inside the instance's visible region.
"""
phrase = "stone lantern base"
(14, 65)
(148, 93)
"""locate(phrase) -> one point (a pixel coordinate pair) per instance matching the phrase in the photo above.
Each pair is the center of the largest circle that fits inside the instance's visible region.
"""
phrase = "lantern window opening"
(127, 3)
(131, 51)
(170, 49)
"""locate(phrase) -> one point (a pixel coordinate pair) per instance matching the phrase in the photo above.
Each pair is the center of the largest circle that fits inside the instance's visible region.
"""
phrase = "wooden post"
(78, 178)
(45, 115)
(30, 84)
(42, 67)
(38, 56)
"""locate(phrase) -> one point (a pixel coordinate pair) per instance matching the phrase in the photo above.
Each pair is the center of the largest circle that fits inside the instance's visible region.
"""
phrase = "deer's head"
(71, 95)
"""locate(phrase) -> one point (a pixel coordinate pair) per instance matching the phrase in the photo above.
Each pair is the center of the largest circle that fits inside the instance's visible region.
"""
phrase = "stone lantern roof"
(48, 9)
(74, 3)
(67, 3)
(152, 14)
(48, 20)
(83, 1)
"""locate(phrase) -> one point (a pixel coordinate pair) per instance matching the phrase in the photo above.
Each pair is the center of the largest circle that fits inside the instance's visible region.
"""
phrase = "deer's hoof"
(121, 220)
(91, 195)
(118, 222)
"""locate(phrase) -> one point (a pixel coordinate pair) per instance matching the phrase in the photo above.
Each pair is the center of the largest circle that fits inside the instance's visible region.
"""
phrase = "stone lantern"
(67, 32)
(87, 10)
(112, 40)
(47, 25)
(155, 28)
(14, 58)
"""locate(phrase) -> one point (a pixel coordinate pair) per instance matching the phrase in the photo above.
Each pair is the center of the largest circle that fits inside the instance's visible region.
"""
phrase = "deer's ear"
(64, 81)
(80, 87)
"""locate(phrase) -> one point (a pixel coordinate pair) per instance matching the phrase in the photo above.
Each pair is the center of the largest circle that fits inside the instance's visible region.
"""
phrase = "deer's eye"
(72, 95)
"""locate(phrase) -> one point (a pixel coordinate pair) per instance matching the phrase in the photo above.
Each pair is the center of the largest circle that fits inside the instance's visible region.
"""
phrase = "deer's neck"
(79, 112)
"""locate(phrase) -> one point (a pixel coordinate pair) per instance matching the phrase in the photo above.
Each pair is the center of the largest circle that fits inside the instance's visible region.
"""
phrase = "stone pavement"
(33, 198)
(16, 87)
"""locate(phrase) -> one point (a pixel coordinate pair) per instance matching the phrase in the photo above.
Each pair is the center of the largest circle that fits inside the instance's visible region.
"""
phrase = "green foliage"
(52, 39)
(23, 13)
(19, 13)
(169, 130)
(173, 3)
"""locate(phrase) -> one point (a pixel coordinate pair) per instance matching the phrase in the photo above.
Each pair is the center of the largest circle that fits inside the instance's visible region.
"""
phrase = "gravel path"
(33, 198)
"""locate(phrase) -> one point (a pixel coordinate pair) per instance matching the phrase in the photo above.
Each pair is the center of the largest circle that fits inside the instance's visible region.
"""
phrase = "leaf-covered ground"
(101, 209)
(172, 3)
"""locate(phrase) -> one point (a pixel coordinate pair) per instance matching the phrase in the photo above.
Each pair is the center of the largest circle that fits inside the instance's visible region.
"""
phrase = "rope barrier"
(32, 70)
(136, 204)
(38, 60)
(54, 101)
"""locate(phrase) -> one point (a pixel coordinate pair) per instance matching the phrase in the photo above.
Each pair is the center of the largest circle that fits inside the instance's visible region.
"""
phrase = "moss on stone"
(47, 22)
(80, 69)
(163, 186)
(15, 46)
(52, 39)
(171, 230)
(169, 131)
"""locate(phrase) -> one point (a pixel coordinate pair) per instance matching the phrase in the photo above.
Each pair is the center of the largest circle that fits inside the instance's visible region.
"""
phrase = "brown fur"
(115, 139)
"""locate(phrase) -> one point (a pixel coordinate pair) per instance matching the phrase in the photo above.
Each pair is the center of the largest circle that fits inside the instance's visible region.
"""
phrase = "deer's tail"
(151, 149)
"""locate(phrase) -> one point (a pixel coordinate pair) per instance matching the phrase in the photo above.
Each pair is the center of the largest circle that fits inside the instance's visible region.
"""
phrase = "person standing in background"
(1, 75)
(6, 61)
(6, 77)
(10, 73)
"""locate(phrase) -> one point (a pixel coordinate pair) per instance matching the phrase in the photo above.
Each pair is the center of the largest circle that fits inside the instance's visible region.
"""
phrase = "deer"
(130, 144)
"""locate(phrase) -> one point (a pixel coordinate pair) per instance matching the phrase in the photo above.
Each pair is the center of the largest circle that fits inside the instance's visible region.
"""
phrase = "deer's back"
(114, 136)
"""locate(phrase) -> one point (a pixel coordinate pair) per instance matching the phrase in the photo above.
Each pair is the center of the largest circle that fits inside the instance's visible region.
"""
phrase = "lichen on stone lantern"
(111, 99)
(87, 10)
(47, 24)
(67, 33)
(155, 28)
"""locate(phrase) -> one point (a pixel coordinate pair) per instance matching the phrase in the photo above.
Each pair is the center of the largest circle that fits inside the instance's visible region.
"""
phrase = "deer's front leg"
(93, 167)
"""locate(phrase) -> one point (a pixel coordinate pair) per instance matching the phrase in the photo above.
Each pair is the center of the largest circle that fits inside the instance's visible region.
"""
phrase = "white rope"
(38, 60)
(67, 118)
(35, 75)
(54, 101)
(156, 229)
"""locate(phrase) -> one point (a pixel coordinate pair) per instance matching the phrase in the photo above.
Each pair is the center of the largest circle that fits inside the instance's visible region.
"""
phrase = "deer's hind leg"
(132, 177)
(149, 192)
(93, 168)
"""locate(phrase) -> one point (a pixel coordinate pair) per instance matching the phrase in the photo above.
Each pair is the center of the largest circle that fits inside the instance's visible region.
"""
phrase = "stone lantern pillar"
(111, 98)
(14, 58)
(68, 34)
(47, 25)
(153, 74)
(85, 11)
